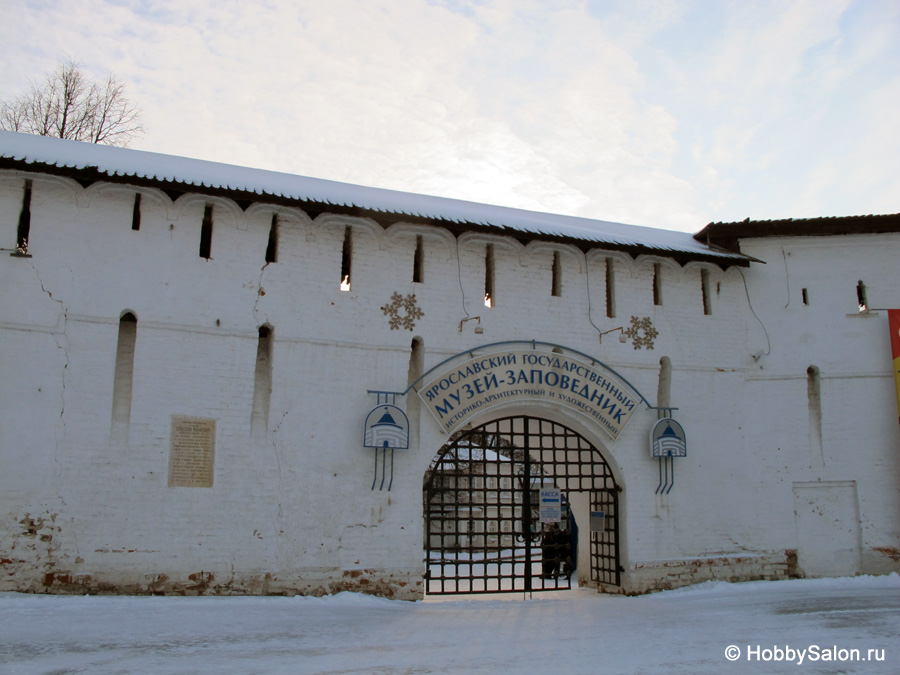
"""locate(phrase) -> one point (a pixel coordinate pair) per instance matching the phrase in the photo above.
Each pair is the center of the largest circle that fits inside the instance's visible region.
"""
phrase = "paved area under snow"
(834, 623)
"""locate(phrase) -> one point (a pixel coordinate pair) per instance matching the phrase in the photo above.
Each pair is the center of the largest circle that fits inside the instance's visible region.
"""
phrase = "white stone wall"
(860, 437)
(291, 510)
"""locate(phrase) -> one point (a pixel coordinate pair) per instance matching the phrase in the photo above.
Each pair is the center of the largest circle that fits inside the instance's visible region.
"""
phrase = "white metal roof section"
(125, 163)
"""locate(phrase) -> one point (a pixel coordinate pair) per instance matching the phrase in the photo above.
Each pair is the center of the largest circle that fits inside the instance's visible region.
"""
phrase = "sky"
(662, 113)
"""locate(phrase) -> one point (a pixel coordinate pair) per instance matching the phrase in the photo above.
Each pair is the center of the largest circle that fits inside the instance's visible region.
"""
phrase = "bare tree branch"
(68, 105)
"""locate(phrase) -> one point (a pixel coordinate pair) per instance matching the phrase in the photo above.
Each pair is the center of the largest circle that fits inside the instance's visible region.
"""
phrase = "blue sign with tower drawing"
(668, 439)
(387, 427)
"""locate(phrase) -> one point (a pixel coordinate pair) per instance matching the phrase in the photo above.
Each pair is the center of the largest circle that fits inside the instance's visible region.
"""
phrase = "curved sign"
(476, 385)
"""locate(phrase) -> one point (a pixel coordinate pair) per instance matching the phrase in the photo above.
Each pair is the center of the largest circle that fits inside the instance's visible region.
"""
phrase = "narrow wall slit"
(814, 400)
(704, 289)
(262, 383)
(24, 229)
(556, 270)
(346, 258)
(664, 388)
(206, 230)
(272, 246)
(123, 378)
(415, 371)
(657, 284)
(416, 363)
(610, 289)
(136, 212)
(419, 261)
(489, 299)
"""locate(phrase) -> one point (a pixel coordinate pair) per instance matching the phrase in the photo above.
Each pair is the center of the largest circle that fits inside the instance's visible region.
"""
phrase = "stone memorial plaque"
(192, 452)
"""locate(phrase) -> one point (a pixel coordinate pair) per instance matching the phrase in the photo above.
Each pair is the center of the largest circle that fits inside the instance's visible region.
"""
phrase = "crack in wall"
(275, 446)
(63, 344)
(279, 521)
(260, 291)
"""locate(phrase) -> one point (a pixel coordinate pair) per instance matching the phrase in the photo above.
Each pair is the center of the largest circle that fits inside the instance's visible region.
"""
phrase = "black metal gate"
(483, 531)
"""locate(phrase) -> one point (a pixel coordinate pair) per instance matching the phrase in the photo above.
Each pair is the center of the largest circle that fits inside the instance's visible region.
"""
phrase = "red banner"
(894, 324)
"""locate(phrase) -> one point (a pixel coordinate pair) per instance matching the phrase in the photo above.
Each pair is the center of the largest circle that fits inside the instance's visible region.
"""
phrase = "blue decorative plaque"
(668, 439)
(387, 427)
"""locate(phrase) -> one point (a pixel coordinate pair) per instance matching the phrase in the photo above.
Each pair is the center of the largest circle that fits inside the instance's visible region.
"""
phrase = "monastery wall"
(829, 371)
(87, 504)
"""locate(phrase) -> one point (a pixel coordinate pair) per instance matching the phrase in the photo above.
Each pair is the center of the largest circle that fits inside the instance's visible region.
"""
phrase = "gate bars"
(483, 530)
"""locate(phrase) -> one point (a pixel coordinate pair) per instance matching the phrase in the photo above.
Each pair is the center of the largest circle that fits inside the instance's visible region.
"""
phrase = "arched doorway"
(483, 529)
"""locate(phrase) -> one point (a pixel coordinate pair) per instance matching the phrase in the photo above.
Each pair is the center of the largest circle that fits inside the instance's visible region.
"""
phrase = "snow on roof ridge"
(144, 164)
(809, 219)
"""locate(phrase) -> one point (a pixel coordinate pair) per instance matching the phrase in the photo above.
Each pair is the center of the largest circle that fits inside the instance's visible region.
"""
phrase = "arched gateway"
(509, 505)
(516, 503)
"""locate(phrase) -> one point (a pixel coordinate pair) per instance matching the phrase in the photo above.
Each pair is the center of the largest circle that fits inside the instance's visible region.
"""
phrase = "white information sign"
(551, 505)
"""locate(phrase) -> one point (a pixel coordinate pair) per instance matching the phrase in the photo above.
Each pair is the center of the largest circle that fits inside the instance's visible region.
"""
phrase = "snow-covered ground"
(570, 632)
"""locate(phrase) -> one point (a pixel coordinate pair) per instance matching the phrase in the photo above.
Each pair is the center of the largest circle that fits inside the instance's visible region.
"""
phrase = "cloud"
(510, 103)
(772, 100)
(668, 114)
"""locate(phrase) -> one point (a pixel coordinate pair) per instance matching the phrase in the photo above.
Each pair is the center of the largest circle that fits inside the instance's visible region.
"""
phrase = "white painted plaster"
(291, 509)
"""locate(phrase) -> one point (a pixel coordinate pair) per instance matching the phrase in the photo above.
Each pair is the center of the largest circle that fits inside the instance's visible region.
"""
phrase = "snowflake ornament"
(408, 304)
(641, 325)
